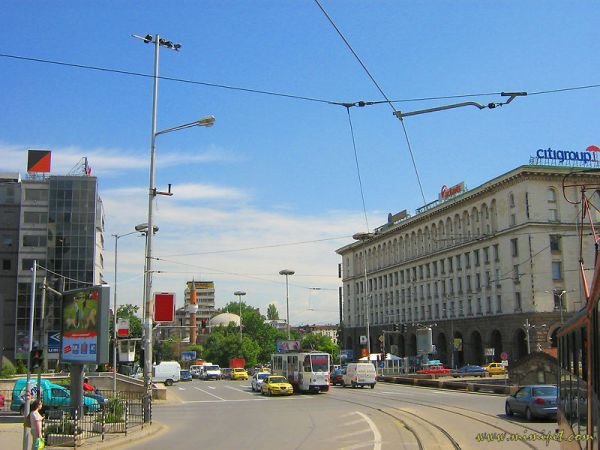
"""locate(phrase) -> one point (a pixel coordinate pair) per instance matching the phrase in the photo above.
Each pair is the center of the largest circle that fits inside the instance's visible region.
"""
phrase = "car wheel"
(353, 385)
(508, 410)
(528, 415)
(262, 392)
(373, 386)
(169, 382)
(269, 393)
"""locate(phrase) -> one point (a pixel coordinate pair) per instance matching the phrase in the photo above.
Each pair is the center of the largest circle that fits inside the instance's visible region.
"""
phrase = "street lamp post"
(364, 237)
(239, 295)
(528, 326)
(117, 237)
(287, 273)
(208, 121)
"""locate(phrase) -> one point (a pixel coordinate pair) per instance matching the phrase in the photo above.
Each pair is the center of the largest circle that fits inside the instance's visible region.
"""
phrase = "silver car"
(257, 380)
(536, 401)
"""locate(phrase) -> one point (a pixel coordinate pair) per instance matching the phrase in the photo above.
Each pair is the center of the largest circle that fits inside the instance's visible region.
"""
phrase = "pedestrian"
(34, 422)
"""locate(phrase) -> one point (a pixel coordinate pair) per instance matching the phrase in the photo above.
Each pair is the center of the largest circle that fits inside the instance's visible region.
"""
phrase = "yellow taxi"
(276, 385)
(239, 373)
(495, 368)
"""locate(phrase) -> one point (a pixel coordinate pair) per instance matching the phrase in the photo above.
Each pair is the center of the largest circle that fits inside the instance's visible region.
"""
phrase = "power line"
(412, 158)
(360, 103)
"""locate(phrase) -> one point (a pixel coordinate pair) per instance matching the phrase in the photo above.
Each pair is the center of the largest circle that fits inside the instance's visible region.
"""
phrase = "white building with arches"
(491, 270)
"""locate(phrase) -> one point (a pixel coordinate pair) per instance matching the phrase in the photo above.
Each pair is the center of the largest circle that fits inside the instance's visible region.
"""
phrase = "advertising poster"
(81, 311)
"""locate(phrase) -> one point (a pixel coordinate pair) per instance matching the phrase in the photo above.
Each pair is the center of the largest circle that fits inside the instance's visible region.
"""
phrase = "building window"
(555, 243)
(488, 279)
(34, 241)
(468, 283)
(511, 200)
(476, 255)
(516, 273)
(556, 270)
(517, 302)
(489, 305)
(514, 247)
(486, 255)
(6, 265)
(479, 305)
(497, 280)
(498, 303)
(458, 267)
(496, 253)
(470, 306)
(468, 260)
(35, 217)
(478, 281)
(450, 266)
(552, 206)
(36, 194)
(434, 264)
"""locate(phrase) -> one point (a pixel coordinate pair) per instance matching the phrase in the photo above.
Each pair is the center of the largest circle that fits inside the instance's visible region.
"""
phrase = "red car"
(435, 370)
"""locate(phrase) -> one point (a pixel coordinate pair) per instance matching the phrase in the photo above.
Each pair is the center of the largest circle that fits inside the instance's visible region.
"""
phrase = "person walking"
(34, 423)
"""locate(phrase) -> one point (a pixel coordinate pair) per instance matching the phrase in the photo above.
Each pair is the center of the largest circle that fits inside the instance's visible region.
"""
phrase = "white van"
(166, 372)
(359, 374)
(210, 372)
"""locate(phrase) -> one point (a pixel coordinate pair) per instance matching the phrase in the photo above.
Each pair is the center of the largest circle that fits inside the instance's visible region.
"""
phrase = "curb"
(121, 442)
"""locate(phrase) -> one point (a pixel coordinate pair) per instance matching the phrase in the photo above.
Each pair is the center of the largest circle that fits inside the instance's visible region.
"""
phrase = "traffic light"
(203, 324)
(396, 328)
(36, 358)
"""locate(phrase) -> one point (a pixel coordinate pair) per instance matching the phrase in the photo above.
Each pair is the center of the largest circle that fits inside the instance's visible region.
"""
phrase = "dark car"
(470, 370)
(536, 401)
(337, 376)
(185, 375)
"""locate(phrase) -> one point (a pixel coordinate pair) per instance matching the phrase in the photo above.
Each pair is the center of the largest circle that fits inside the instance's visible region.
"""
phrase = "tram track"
(416, 422)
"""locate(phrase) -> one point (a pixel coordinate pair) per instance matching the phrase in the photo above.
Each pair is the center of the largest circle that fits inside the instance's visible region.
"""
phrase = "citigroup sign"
(561, 156)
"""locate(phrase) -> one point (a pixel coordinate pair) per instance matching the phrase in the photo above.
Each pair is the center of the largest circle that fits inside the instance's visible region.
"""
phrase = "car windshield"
(544, 391)
(262, 376)
(211, 367)
(277, 380)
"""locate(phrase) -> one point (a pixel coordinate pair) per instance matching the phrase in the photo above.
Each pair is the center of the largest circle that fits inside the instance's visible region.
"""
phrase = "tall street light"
(117, 237)
(364, 237)
(239, 295)
(287, 273)
(152, 192)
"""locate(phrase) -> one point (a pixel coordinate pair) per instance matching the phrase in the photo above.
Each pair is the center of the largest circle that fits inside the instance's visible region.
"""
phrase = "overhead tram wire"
(281, 94)
(382, 93)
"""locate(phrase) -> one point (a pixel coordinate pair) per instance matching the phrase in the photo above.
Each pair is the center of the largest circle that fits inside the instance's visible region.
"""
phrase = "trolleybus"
(306, 371)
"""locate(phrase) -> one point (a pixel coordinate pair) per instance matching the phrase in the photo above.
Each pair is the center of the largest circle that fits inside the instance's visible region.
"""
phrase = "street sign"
(503, 355)
(363, 340)
(53, 342)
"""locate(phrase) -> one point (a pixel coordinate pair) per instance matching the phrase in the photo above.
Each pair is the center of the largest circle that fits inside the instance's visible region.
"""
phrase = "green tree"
(321, 343)
(272, 313)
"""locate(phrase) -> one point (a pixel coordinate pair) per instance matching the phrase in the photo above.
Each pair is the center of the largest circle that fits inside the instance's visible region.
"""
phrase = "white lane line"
(206, 392)
(227, 401)
(374, 429)
(245, 391)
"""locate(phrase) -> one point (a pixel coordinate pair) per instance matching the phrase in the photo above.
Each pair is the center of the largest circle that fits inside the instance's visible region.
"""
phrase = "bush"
(8, 369)
(21, 369)
(115, 411)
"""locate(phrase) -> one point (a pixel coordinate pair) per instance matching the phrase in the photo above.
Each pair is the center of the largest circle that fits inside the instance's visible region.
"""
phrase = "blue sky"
(274, 183)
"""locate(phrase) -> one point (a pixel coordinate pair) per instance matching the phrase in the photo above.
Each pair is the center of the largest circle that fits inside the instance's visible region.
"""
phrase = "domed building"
(224, 319)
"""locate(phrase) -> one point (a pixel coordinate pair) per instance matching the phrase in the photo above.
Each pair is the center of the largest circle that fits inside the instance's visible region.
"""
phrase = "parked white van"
(166, 372)
(359, 374)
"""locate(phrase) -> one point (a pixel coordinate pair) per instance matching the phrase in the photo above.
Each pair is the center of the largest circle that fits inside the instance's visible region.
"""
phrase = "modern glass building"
(57, 221)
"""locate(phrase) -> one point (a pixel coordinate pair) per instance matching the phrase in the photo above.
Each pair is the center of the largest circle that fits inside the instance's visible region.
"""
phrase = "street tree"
(272, 313)
(321, 343)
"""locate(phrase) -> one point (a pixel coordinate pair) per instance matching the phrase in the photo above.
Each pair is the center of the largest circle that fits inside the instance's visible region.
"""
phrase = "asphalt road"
(228, 415)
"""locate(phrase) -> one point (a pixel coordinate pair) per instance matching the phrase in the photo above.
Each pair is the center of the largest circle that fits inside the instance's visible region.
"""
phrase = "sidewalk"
(11, 436)
(11, 431)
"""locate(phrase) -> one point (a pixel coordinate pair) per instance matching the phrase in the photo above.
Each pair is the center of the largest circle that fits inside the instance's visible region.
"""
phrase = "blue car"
(536, 401)
(185, 375)
(470, 370)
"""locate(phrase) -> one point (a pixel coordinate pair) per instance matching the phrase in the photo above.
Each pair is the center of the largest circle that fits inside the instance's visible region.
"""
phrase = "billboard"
(85, 325)
(38, 160)
(164, 307)
(288, 346)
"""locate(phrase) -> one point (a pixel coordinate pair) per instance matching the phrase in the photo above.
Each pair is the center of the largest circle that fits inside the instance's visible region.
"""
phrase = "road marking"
(238, 389)
(216, 396)
(181, 389)
(226, 401)
(374, 429)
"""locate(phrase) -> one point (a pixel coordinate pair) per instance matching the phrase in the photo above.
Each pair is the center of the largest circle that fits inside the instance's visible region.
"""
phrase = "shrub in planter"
(115, 411)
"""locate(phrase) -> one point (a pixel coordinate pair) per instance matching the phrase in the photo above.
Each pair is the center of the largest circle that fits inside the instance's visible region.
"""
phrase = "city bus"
(306, 371)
